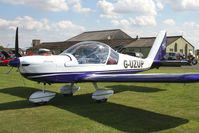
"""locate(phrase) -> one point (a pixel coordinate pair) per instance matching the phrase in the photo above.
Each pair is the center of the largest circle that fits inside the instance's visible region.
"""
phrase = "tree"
(1, 47)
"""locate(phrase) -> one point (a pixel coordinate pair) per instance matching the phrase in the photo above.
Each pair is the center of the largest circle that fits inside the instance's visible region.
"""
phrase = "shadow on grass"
(23, 92)
(121, 88)
(121, 117)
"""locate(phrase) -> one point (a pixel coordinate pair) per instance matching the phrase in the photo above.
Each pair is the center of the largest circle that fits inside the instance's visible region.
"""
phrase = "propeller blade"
(17, 44)
(15, 62)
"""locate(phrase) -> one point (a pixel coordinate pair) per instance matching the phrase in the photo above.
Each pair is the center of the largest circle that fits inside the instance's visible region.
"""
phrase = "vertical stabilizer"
(158, 50)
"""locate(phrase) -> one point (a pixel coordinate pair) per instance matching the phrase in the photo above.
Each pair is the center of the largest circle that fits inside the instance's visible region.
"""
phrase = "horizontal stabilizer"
(170, 63)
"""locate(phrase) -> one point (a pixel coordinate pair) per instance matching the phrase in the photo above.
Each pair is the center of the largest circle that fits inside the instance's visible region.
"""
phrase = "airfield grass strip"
(135, 107)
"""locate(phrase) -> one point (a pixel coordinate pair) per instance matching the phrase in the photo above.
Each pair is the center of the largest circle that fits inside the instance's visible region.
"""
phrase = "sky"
(59, 20)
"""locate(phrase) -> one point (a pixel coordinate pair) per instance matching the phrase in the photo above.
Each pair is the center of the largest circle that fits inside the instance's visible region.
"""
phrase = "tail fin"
(158, 50)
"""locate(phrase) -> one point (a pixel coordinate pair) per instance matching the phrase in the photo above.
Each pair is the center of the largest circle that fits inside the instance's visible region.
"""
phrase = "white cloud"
(170, 22)
(67, 25)
(77, 7)
(159, 4)
(43, 5)
(14, 1)
(191, 24)
(121, 7)
(115, 23)
(26, 23)
(107, 9)
(3, 22)
(43, 29)
(140, 21)
(135, 6)
(53, 5)
(184, 5)
(124, 24)
(144, 21)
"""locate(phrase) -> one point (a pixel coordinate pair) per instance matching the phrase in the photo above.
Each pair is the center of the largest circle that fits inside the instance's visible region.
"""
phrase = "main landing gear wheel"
(41, 97)
(40, 103)
(69, 90)
(101, 101)
(101, 95)
(71, 94)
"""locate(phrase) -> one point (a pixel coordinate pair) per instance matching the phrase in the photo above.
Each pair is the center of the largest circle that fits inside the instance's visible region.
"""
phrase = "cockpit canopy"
(91, 52)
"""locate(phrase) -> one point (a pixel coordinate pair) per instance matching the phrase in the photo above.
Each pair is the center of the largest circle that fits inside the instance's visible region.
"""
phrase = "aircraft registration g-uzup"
(92, 61)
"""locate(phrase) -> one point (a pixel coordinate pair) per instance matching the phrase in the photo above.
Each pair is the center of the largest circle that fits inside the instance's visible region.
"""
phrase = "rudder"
(158, 50)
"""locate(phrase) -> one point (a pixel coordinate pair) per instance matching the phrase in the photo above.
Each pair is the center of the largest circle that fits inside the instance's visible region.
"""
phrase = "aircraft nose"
(14, 63)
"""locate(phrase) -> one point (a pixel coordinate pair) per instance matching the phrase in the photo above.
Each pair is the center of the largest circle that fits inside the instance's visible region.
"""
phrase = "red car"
(5, 58)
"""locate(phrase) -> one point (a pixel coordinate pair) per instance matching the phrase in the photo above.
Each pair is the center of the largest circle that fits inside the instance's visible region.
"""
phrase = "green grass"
(135, 107)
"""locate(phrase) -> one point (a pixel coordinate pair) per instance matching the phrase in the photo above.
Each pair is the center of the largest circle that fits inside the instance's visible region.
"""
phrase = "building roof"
(171, 39)
(101, 35)
(141, 42)
(54, 45)
(117, 42)
(111, 37)
(148, 41)
(66, 44)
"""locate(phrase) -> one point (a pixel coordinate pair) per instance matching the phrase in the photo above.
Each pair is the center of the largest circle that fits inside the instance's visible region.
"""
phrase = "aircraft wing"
(155, 77)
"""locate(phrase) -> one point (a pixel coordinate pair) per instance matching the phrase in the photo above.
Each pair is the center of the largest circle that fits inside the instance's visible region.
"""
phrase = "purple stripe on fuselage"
(68, 77)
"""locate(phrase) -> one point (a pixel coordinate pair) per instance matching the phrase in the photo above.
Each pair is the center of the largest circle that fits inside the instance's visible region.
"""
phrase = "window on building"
(176, 47)
(171, 50)
(186, 50)
(181, 51)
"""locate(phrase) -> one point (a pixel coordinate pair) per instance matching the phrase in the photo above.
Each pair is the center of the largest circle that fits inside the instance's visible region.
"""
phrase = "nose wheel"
(41, 97)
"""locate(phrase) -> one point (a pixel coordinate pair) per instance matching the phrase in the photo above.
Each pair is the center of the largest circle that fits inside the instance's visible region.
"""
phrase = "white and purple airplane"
(92, 61)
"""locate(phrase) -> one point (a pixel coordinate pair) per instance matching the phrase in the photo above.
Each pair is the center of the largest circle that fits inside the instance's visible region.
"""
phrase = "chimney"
(137, 37)
(35, 42)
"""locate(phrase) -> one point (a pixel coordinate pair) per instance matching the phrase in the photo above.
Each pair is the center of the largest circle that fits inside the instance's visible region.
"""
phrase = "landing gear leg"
(44, 87)
(101, 95)
(41, 97)
(69, 90)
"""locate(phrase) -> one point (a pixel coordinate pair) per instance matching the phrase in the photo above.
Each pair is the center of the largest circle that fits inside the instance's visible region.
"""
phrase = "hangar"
(118, 39)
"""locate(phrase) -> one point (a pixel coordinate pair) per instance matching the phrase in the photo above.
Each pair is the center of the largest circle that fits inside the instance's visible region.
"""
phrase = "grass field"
(135, 107)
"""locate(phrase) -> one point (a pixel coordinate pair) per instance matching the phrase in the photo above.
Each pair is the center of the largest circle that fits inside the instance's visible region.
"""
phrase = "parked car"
(174, 56)
(136, 54)
(5, 58)
(42, 51)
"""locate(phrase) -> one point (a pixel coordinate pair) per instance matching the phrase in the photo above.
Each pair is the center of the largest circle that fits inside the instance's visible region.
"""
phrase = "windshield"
(172, 54)
(89, 52)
